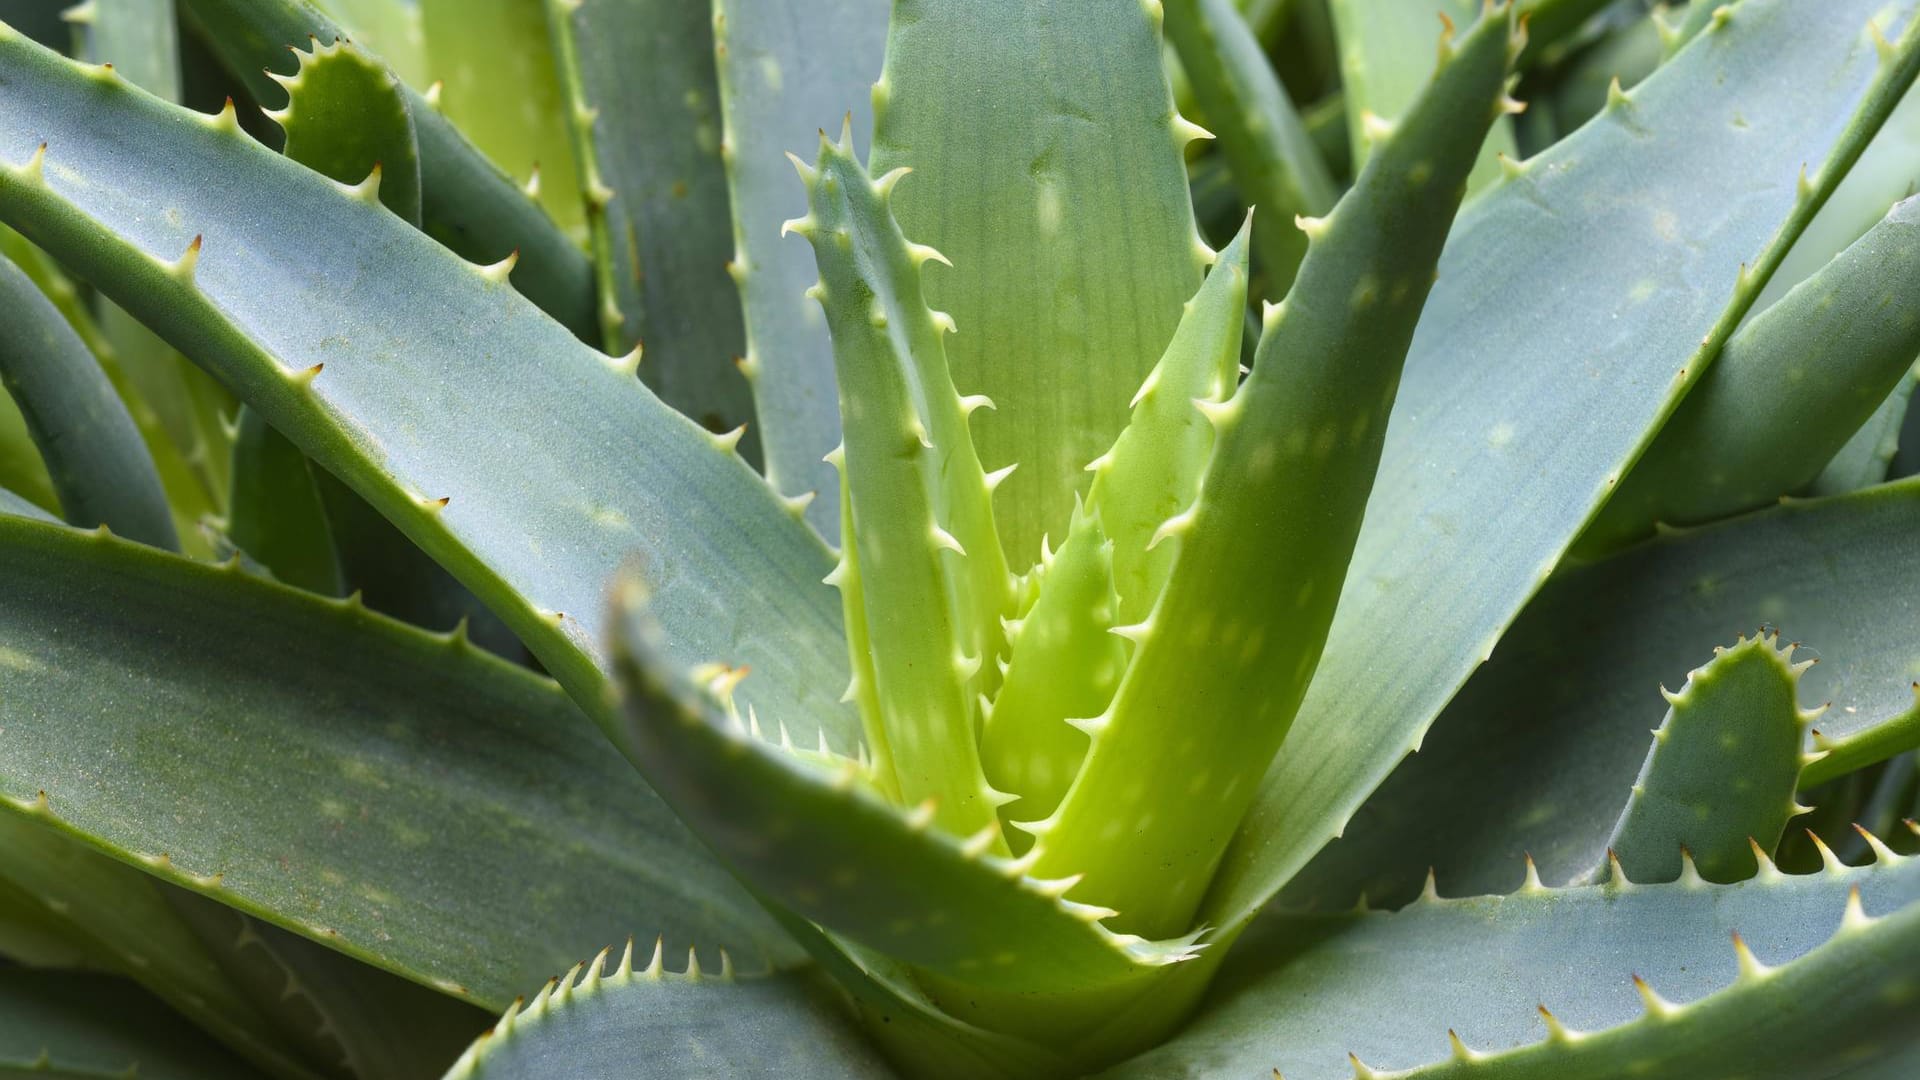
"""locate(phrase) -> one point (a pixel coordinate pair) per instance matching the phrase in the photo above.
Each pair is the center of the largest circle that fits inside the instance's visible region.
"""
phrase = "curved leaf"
(96, 1027)
(403, 798)
(383, 357)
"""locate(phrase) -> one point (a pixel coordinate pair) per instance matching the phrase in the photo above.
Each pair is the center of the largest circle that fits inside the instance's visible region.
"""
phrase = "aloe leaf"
(347, 117)
(98, 465)
(474, 876)
(1863, 746)
(1504, 394)
(645, 115)
(1153, 470)
(494, 62)
(784, 76)
(1560, 714)
(391, 28)
(18, 506)
(1388, 49)
(22, 472)
(1575, 984)
(377, 352)
(1868, 455)
(1274, 161)
(1784, 396)
(275, 514)
(345, 1016)
(83, 1026)
(1323, 380)
(468, 203)
(636, 1019)
(1062, 665)
(816, 839)
(917, 491)
(1737, 716)
(32, 935)
(1073, 244)
(1626, 55)
(121, 917)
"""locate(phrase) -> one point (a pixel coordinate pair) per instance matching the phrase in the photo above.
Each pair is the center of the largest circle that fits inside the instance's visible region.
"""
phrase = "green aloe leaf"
(1784, 396)
(1275, 164)
(1571, 984)
(1073, 244)
(646, 127)
(1863, 746)
(1722, 771)
(784, 77)
(1531, 443)
(82, 1026)
(275, 514)
(805, 830)
(636, 1020)
(347, 117)
(475, 876)
(391, 28)
(1388, 49)
(381, 354)
(1560, 714)
(94, 455)
(1304, 431)
(468, 203)
(1868, 455)
(494, 63)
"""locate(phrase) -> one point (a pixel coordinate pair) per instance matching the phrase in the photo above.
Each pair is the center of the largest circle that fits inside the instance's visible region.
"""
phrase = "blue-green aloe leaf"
(469, 204)
(1575, 984)
(94, 455)
(20, 506)
(1868, 455)
(1275, 164)
(644, 108)
(634, 1019)
(1073, 244)
(1784, 396)
(1531, 442)
(1388, 49)
(383, 355)
(785, 75)
(84, 1026)
(1304, 431)
(1560, 715)
(478, 876)
(1722, 771)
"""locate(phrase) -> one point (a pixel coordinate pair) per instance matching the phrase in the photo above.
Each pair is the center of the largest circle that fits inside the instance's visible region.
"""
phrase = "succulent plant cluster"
(1157, 554)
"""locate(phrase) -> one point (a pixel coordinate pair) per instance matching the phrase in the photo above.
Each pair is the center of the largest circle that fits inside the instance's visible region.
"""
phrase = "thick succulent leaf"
(644, 106)
(1784, 395)
(1388, 49)
(468, 203)
(1153, 470)
(936, 601)
(1868, 454)
(476, 875)
(33, 936)
(1512, 446)
(81, 1026)
(1062, 665)
(1535, 753)
(1810, 984)
(1722, 771)
(1863, 745)
(22, 472)
(1293, 458)
(382, 355)
(17, 506)
(93, 453)
(812, 836)
(1625, 54)
(275, 514)
(138, 37)
(347, 117)
(123, 920)
(494, 62)
(391, 28)
(1275, 164)
(1072, 240)
(640, 1021)
(787, 73)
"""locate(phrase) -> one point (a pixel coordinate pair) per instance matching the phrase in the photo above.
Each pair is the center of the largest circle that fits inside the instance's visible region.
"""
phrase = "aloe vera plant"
(876, 538)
